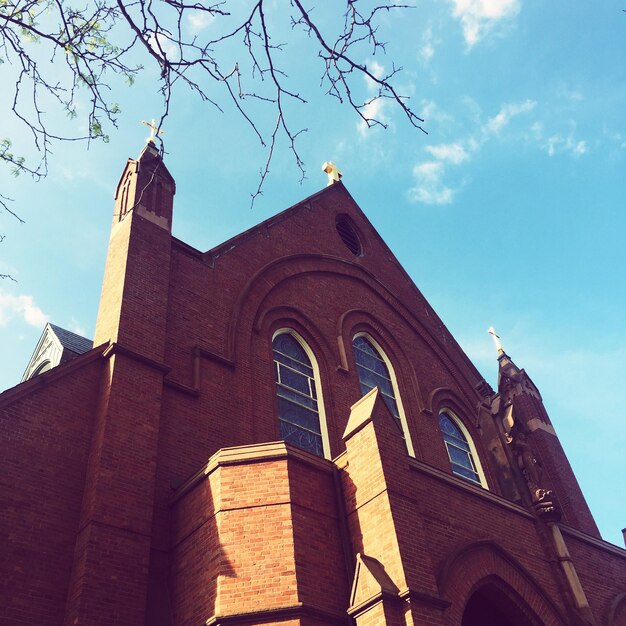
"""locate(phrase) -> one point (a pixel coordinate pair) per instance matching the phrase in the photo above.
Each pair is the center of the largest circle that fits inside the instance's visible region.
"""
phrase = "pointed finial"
(334, 175)
(154, 130)
(496, 340)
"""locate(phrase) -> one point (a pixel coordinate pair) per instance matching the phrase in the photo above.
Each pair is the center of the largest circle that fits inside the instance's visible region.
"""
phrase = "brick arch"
(274, 318)
(249, 304)
(444, 397)
(289, 317)
(484, 562)
(506, 599)
(359, 320)
(616, 613)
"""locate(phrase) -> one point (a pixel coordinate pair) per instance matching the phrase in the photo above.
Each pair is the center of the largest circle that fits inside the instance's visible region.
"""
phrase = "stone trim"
(381, 596)
(424, 598)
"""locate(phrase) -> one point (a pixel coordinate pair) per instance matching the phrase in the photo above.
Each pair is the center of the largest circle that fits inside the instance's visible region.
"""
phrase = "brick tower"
(118, 499)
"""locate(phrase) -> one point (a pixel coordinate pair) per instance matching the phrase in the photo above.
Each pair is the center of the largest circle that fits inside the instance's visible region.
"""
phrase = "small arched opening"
(489, 604)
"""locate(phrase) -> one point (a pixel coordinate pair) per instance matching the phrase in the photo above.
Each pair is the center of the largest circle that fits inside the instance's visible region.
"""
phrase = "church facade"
(282, 431)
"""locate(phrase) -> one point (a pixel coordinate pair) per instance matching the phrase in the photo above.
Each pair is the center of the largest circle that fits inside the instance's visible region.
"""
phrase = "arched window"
(299, 396)
(460, 447)
(374, 370)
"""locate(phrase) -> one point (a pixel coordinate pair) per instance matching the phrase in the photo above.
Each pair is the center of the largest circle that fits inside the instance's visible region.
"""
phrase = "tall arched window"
(374, 370)
(461, 452)
(299, 397)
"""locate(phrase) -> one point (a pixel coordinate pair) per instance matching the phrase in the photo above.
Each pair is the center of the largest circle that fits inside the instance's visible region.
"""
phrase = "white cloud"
(558, 143)
(507, 112)
(199, 20)
(429, 188)
(374, 109)
(20, 306)
(376, 69)
(432, 113)
(478, 17)
(572, 95)
(453, 152)
(163, 46)
(427, 51)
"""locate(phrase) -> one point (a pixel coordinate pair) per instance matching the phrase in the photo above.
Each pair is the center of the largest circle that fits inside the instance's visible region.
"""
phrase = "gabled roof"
(57, 345)
(72, 341)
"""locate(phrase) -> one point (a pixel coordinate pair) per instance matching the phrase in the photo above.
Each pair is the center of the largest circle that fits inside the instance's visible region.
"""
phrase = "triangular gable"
(55, 346)
(303, 237)
(371, 583)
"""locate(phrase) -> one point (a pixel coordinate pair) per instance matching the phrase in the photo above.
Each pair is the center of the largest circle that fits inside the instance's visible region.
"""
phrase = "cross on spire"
(334, 175)
(496, 340)
(154, 130)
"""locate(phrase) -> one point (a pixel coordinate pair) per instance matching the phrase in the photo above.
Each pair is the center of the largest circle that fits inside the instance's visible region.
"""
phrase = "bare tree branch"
(223, 51)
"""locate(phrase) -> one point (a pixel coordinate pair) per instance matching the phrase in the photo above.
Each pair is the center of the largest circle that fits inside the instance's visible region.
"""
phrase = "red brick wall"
(258, 532)
(45, 430)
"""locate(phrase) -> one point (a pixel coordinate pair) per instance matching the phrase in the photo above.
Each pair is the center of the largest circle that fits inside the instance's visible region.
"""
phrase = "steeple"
(138, 260)
(543, 472)
(147, 188)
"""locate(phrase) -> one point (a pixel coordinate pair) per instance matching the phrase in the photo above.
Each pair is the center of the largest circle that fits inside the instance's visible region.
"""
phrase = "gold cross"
(496, 340)
(154, 130)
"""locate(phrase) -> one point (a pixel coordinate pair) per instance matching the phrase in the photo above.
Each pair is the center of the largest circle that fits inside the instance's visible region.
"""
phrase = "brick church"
(281, 431)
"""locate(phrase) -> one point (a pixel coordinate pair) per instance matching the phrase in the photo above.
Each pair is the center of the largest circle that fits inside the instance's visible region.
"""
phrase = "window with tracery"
(373, 371)
(463, 458)
(296, 388)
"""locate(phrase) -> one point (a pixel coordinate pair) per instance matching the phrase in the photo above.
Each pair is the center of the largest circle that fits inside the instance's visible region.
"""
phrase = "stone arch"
(482, 563)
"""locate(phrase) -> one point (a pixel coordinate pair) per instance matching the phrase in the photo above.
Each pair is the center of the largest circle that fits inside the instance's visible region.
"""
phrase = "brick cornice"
(117, 348)
(257, 453)
(299, 609)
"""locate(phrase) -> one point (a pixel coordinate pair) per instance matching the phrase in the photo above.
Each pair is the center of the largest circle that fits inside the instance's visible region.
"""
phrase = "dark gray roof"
(72, 341)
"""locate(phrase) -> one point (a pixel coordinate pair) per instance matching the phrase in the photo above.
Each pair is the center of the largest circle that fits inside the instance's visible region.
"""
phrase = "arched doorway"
(489, 605)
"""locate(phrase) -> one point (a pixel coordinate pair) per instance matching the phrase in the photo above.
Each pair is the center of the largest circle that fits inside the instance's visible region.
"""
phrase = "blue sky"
(509, 212)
